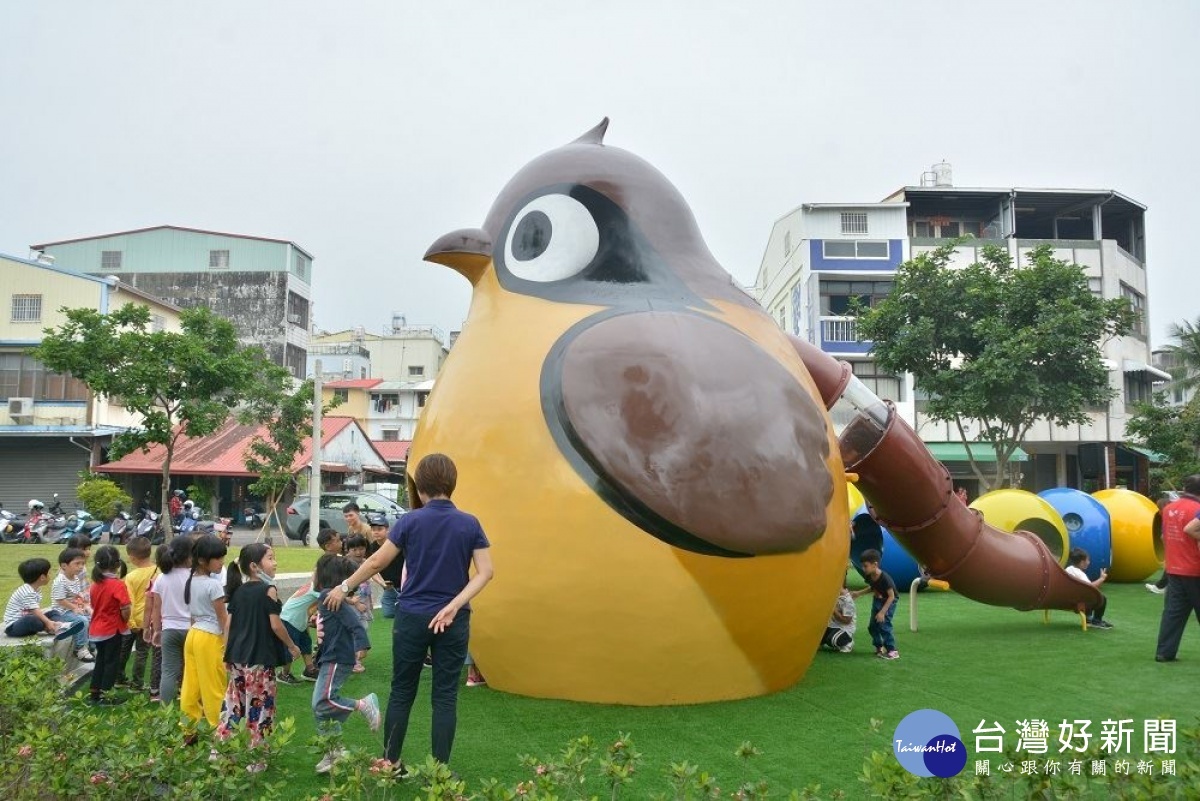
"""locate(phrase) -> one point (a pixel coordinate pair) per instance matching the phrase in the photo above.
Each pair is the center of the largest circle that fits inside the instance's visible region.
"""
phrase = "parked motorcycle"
(57, 522)
(81, 522)
(148, 526)
(254, 518)
(11, 525)
(119, 527)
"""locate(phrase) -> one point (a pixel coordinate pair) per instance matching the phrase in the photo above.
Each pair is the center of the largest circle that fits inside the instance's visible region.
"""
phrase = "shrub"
(100, 496)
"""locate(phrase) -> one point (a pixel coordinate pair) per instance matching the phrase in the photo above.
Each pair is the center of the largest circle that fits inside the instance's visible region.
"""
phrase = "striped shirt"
(64, 588)
(23, 599)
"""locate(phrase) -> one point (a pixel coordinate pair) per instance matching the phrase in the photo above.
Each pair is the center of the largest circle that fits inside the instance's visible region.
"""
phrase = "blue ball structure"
(1089, 525)
(897, 562)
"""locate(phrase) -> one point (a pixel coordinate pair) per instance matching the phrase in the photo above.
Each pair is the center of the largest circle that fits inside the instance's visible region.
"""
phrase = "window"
(787, 243)
(110, 260)
(1096, 286)
(157, 322)
(1136, 300)
(25, 377)
(341, 395)
(416, 371)
(218, 259)
(391, 435)
(26, 308)
(295, 359)
(1137, 390)
(854, 222)
(886, 386)
(385, 403)
(855, 249)
(297, 310)
(300, 264)
(421, 398)
(836, 295)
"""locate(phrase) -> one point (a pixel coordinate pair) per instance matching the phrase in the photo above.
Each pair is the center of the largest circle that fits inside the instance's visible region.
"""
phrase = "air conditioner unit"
(294, 319)
(21, 410)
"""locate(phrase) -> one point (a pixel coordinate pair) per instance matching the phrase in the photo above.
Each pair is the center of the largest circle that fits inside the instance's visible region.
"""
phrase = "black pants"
(1182, 599)
(108, 662)
(1098, 609)
(132, 643)
(411, 640)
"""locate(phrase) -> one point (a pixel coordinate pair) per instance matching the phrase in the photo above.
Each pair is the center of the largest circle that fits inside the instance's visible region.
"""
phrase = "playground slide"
(912, 495)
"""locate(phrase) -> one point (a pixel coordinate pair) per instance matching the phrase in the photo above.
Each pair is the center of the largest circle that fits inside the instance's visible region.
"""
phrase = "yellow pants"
(204, 679)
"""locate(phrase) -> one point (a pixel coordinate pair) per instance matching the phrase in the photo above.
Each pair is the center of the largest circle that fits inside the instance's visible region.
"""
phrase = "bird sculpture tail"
(912, 495)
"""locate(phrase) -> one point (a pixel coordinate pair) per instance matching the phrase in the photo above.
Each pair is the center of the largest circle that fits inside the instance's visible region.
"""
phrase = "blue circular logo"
(927, 743)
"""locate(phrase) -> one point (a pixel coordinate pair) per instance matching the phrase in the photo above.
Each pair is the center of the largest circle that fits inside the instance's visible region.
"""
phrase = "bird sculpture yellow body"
(645, 449)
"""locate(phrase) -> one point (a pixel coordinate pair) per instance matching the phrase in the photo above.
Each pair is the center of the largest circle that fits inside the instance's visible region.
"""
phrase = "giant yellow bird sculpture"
(643, 445)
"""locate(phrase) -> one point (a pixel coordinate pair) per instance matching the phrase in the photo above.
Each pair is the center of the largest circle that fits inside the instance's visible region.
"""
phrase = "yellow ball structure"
(1018, 510)
(1137, 550)
(854, 498)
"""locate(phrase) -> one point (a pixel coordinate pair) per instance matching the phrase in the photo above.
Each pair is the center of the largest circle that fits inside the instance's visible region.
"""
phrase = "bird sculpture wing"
(691, 431)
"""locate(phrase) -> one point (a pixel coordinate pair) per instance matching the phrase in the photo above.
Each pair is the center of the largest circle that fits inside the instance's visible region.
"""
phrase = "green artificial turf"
(970, 661)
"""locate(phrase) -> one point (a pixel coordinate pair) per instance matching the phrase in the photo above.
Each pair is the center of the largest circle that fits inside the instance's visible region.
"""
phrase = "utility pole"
(314, 470)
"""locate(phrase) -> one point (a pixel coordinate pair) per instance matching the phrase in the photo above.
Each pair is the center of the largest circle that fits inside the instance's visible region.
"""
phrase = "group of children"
(215, 636)
(839, 632)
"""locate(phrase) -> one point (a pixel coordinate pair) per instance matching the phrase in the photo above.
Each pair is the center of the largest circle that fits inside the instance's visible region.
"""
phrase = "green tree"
(287, 422)
(179, 383)
(1173, 431)
(997, 344)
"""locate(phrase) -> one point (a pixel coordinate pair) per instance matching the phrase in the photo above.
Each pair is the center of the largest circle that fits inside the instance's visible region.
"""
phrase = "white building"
(821, 255)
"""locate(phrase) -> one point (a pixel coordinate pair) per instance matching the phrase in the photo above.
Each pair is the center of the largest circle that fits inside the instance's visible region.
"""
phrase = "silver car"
(296, 516)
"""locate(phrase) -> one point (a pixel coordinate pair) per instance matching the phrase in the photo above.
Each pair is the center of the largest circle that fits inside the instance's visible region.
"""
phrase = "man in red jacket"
(1181, 544)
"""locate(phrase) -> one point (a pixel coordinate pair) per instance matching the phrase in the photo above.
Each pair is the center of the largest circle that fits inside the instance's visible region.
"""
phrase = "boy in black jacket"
(337, 632)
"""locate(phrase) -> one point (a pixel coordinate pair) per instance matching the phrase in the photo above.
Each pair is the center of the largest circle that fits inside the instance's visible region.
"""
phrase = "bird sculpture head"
(633, 432)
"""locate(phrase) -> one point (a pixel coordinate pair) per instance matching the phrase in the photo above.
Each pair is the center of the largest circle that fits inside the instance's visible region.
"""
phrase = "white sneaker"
(326, 764)
(1154, 588)
(84, 655)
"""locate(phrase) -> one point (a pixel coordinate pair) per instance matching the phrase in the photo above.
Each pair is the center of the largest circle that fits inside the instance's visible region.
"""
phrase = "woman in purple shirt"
(433, 613)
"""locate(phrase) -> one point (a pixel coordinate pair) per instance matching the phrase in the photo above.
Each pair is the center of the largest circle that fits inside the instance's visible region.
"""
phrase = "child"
(252, 649)
(149, 615)
(883, 604)
(329, 541)
(337, 630)
(295, 614)
(23, 616)
(171, 619)
(137, 581)
(839, 634)
(356, 551)
(68, 598)
(110, 621)
(203, 687)
(1077, 565)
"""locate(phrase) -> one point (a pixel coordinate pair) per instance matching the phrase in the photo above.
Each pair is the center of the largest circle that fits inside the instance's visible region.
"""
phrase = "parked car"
(296, 519)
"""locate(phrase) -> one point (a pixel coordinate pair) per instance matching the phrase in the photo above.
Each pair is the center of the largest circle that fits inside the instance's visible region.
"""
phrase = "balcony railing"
(839, 329)
(339, 349)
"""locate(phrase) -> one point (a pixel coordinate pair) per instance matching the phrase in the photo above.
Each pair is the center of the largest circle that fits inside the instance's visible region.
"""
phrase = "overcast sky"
(364, 130)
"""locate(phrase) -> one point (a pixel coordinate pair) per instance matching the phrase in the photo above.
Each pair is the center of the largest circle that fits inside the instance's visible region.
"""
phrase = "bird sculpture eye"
(552, 238)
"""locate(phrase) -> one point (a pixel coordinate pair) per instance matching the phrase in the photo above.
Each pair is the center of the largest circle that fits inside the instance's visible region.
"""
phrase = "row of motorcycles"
(54, 526)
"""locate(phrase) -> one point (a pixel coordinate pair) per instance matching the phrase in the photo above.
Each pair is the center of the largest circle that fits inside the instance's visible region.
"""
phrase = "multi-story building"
(412, 353)
(821, 255)
(1168, 361)
(261, 285)
(51, 425)
(387, 410)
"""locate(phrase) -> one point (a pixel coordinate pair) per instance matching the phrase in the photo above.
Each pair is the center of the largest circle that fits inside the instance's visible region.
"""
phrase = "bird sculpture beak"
(467, 251)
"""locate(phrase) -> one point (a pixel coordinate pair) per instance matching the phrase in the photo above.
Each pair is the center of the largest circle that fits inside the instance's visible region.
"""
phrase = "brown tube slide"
(912, 495)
